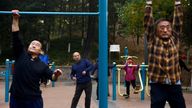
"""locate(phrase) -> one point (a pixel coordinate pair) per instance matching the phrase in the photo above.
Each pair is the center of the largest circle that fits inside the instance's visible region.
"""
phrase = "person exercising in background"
(28, 70)
(44, 58)
(96, 72)
(130, 78)
(80, 72)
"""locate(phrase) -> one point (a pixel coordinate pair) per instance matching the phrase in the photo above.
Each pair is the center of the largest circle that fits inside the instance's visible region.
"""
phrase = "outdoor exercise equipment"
(103, 43)
(125, 57)
(6, 74)
(52, 13)
(119, 67)
(141, 73)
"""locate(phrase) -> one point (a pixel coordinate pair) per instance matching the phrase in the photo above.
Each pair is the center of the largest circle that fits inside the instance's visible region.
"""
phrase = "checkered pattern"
(163, 57)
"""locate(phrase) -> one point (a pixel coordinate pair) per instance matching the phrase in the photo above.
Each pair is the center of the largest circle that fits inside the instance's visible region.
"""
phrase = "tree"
(187, 23)
(91, 29)
(131, 18)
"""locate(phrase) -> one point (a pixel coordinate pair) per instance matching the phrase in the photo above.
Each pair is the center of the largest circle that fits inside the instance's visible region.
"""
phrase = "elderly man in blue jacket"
(81, 74)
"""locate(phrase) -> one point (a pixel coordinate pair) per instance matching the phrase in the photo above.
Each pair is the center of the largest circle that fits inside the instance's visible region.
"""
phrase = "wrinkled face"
(164, 30)
(35, 47)
(76, 56)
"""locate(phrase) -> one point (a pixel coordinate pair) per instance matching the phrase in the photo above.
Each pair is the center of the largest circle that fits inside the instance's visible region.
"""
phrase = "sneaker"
(136, 92)
(137, 87)
(126, 97)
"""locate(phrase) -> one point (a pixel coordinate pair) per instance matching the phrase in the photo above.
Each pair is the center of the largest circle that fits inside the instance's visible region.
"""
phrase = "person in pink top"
(130, 77)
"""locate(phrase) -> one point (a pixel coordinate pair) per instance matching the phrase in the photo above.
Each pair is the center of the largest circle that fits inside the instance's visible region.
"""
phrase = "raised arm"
(178, 17)
(17, 44)
(148, 20)
(15, 23)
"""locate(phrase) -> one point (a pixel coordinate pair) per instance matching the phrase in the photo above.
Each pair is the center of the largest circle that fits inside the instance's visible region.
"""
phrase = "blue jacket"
(44, 58)
(78, 68)
(96, 68)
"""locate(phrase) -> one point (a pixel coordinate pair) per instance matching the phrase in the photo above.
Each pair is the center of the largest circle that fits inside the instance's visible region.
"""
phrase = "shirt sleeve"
(125, 67)
(148, 22)
(95, 67)
(89, 66)
(72, 72)
(17, 45)
(48, 72)
(178, 19)
(110, 66)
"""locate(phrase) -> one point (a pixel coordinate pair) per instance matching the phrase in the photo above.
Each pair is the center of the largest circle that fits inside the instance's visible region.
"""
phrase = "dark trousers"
(97, 89)
(160, 93)
(79, 89)
(17, 103)
(132, 82)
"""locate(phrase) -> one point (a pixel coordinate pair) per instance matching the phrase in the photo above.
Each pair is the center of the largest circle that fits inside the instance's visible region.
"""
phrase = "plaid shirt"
(163, 57)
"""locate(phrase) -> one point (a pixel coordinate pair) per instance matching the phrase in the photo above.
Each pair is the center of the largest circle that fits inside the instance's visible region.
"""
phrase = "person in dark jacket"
(96, 72)
(44, 58)
(28, 70)
(80, 72)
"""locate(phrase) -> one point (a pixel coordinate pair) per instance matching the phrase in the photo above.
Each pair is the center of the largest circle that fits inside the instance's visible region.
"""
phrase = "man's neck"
(78, 61)
(165, 40)
(33, 56)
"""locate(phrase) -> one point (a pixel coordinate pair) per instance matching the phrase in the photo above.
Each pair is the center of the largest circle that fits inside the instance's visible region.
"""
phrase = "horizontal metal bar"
(52, 13)
(122, 66)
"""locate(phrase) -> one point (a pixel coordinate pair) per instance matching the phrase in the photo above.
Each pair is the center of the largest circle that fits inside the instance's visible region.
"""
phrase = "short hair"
(160, 20)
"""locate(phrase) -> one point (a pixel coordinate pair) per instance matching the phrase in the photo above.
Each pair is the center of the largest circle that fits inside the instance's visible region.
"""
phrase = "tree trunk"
(83, 23)
(91, 31)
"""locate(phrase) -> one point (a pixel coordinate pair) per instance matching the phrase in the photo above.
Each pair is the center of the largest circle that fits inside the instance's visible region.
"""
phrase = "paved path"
(61, 96)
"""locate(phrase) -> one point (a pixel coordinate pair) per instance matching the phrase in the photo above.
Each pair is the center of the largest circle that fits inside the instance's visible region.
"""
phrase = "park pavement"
(61, 95)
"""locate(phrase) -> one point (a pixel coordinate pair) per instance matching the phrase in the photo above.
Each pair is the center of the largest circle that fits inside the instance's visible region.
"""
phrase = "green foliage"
(163, 9)
(59, 50)
(132, 13)
(187, 33)
(131, 17)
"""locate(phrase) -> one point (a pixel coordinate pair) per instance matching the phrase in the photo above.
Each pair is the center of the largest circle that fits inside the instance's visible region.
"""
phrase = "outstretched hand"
(74, 78)
(15, 23)
(58, 72)
(15, 13)
(149, 2)
(177, 2)
(84, 72)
